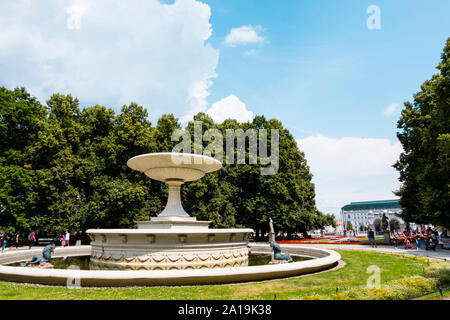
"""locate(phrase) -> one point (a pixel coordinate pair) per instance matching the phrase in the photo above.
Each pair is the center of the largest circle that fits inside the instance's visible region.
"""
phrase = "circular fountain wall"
(175, 248)
(323, 260)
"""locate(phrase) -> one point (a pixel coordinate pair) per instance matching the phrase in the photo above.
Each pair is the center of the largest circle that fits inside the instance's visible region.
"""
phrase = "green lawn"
(351, 277)
(437, 296)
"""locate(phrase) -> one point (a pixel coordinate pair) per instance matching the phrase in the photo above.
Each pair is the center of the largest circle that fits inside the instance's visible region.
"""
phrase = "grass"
(437, 296)
(324, 285)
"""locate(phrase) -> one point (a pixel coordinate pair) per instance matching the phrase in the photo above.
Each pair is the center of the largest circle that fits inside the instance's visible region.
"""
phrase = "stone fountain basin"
(324, 259)
(170, 248)
(168, 166)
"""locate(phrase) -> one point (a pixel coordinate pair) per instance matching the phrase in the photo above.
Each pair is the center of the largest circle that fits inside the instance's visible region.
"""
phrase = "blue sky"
(321, 69)
(315, 65)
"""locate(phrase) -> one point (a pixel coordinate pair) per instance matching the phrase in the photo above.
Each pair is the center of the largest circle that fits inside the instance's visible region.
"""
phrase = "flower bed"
(400, 240)
(326, 242)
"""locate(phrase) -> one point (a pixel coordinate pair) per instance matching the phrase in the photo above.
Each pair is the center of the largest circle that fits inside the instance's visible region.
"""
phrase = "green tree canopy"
(20, 114)
(424, 165)
(64, 168)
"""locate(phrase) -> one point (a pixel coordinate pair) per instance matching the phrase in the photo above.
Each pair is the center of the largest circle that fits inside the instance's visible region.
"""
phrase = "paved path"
(442, 254)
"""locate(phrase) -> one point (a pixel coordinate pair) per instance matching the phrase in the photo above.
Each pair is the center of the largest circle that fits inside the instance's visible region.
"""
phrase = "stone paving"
(443, 254)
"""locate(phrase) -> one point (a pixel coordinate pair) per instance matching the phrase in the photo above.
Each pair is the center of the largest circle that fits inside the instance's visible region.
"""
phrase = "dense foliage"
(64, 167)
(424, 165)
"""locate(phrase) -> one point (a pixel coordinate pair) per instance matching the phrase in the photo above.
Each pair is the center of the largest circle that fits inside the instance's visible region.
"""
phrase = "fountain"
(173, 239)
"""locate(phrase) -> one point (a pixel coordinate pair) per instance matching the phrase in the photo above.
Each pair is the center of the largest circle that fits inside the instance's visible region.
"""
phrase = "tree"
(323, 220)
(57, 165)
(349, 225)
(424, 165)
(239, 195)
(81, 179)
(75, 175)
(19, 117)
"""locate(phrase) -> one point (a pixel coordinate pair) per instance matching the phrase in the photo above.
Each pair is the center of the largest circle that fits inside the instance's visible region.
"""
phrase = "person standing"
(16, 240)
(67, 238)
(371, 236)
(32, 239)
(63, 240)
(417, 240)
(4, 240)
(395, 239)
(425, 239)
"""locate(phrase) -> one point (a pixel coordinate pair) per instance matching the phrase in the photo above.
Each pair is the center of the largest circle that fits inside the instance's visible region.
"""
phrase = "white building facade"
(363, 215)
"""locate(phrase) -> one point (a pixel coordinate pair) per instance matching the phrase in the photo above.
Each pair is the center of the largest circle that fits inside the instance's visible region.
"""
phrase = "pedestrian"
(32, 239)
(395, 238)
(433, 241)
(4, 240)
(63, 240)
(16, 240)
(417, 240)
(425, 238)
(67, 238)
(371, 236)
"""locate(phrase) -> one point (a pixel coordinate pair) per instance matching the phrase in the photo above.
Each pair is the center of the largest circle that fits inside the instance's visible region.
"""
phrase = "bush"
(393, 290)
(438, 272)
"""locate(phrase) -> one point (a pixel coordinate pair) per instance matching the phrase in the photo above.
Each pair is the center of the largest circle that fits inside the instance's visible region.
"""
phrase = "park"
(131, 171)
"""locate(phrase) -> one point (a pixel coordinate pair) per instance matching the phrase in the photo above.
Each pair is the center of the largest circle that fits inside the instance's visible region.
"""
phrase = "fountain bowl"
(167, 166)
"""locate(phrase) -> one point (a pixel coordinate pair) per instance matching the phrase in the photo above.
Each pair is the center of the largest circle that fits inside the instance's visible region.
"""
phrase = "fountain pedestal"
(173, 239)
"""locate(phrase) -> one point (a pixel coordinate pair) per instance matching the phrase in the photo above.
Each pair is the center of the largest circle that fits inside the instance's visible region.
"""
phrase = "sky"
(336, 73)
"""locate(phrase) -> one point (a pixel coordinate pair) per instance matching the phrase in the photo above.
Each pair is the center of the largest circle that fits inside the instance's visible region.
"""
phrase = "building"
(363, 215)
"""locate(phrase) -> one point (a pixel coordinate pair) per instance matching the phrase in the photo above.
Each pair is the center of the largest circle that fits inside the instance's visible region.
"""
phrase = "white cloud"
(230, 108)
(110, 52)
(75, 12)
(250, 53)
(391, 109)
(243, 35)
(351, 169)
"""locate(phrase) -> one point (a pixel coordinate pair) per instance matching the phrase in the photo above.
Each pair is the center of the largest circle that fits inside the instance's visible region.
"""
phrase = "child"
(432, 241)
(408, 243)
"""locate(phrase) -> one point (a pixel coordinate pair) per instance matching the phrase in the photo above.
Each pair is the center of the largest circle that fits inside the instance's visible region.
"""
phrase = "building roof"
(369, 205)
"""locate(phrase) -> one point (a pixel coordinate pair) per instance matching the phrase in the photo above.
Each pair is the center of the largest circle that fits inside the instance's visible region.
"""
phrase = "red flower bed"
(400, 240)
(325, 242)
(314, 239)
